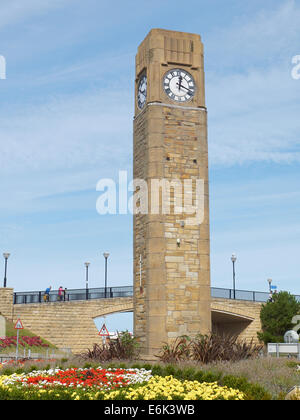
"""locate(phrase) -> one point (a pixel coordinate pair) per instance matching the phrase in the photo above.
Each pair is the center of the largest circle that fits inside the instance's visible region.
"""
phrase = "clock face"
(142, 92)
(179, 85)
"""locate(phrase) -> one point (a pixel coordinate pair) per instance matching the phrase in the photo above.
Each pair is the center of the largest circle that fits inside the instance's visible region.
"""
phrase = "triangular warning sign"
(104, 332)
(19, 325)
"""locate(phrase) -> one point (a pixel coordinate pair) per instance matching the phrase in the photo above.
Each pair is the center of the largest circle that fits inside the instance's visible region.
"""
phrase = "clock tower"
(171, 245)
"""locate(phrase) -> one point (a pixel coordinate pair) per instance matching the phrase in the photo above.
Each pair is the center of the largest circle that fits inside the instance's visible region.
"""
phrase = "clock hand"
(180, 80)
(189, 90)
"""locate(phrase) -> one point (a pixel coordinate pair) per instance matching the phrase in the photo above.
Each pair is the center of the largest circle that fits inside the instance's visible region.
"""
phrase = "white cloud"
(253, 102)
(264, 39)
(64, 145)
(67, 132)
(254, 117)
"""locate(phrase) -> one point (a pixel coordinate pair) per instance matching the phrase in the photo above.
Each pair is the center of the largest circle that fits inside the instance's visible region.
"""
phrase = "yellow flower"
(171, 388)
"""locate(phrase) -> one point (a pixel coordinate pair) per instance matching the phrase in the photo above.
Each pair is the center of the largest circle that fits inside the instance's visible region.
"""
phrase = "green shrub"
(198, 376)
(252, 391)
(136, 366)
(87, 365)
(157, 370)
(211, 377)
(188, 373)
(7, 371)
(147, 366)
(276, 317)
(170, 370)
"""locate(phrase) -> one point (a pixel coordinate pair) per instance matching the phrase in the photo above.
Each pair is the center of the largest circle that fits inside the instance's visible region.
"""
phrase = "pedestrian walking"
(47, 294)
(60, 294)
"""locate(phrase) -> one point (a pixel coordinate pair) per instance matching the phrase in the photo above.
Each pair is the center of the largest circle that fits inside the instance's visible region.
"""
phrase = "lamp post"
(105, 255)
(87, 279)
(233, 259)
(270, 291)
(270, 282)
(6, 256)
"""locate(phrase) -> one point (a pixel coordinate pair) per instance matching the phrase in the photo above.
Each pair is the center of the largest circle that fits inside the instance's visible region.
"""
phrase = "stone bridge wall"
(71, 324)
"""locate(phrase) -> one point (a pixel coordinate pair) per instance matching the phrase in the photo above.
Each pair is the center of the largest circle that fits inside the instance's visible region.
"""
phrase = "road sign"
(19, 325)
(104, 332)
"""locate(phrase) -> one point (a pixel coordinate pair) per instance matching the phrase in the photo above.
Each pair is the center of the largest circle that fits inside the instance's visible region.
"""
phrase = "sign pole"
(17, 348)
(18, 326)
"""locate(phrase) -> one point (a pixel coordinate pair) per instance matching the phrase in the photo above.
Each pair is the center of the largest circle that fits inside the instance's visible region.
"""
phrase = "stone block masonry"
(71, 324)
(65, 324)
(6, 302)
(172, 292)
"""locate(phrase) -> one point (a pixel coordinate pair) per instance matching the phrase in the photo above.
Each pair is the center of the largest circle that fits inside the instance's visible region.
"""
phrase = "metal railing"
(247, 295)
(127, 291)
(73, 294)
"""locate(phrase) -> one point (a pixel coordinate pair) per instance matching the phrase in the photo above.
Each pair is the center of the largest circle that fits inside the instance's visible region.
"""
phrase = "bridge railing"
(127, 291)
(248, 295)
(73, 294)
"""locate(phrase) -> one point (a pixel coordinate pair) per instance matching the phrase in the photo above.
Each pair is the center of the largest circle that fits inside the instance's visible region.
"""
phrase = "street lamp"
(105, 255)
(6, 256)
(270, 282)
(270, 290)
(87, 280)
(233, 259)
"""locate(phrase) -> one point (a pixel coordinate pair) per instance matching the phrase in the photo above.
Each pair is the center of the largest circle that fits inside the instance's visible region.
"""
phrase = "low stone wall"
(6, 302)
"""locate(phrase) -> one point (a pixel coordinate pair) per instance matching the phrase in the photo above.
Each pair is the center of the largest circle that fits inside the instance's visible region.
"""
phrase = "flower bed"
(60, 384)
(109, 384)
(34, 341)
(84, 378)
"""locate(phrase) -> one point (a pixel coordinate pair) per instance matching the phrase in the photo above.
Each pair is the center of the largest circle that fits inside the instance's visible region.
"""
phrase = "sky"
(66, 121)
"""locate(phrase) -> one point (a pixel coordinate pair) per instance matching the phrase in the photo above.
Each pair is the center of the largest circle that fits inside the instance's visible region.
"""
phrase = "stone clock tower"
(171, 253)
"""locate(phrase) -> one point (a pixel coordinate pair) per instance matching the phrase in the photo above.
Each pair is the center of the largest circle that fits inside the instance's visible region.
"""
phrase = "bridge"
(70, 323)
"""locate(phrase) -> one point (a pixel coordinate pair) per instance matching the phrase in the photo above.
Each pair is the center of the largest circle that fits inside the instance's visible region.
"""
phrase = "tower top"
(164, 51)
(168, 32)
(174, 47)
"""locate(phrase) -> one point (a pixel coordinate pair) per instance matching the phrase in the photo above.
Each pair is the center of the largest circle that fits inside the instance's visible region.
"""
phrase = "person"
(60, 293)
(47, 294)
(270, 297)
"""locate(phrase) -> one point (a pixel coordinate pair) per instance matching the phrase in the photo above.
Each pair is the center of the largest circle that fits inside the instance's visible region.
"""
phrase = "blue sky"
(66, 110)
